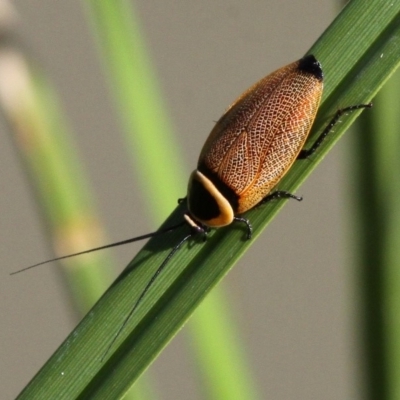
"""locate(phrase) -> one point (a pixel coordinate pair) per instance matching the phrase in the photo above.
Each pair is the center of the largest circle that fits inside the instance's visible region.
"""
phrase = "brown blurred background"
(293, 293)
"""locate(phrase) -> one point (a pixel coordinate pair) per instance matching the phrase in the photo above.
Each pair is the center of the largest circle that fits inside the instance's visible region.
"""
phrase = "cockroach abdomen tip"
(311, 65)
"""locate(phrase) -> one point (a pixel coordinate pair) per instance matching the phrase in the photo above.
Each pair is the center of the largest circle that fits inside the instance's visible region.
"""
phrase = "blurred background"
(292, 296)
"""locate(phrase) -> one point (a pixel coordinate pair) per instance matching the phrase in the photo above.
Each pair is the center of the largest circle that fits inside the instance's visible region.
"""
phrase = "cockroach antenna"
(107, 246)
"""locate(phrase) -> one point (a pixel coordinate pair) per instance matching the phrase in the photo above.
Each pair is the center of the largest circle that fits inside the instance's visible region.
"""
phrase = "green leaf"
(375, 229)
(359, 51)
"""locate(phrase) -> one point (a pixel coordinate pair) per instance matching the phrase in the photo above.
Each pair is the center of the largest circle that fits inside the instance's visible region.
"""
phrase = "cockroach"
(250, 149)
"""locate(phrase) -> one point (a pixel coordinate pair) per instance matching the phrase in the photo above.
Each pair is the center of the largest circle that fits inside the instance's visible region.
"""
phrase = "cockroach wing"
(257, 140)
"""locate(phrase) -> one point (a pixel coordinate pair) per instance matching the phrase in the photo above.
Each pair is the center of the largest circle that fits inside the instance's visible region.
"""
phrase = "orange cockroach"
(250, 149)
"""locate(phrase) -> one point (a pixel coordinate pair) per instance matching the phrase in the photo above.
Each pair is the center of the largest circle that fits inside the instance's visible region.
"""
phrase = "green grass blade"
(376, 205)
(132, 80)
(367, 59)
(391, 278)
(227, 376)
(64, 195)
(47, 153)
